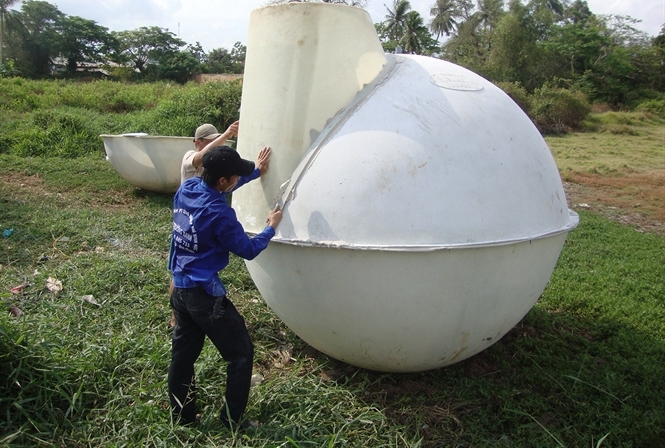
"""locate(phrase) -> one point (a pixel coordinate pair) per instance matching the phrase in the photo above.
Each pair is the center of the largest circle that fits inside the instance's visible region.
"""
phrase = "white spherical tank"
(423, 217)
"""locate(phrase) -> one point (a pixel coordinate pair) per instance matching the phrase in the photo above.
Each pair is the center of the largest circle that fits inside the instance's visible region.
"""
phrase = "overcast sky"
(221, 23)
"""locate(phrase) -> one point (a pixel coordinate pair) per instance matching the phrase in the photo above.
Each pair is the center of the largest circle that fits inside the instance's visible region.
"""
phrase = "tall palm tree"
(578, 12)
(444, 13)
(489, 12)
(414, 31)
(556, 6)
(465, 8)
(4, 7)
(394, 23)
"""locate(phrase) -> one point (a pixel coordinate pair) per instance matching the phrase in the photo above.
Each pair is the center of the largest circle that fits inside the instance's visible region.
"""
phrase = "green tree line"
(526, 46)
(536, 44)
(39, 41)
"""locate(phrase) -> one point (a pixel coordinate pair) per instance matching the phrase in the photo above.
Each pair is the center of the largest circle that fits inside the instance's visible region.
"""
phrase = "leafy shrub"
(8, 70)
(518, 94)
(214, 102)
(635, 97)
(656, 107)
(65, 119)
(119, 73)
(558, 110)
(178, 66)
(20, 95)
(108, 96)
(63, 132)
(101, 96)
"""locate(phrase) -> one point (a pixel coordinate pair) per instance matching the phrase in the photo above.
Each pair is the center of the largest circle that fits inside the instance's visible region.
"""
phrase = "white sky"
(221, 23)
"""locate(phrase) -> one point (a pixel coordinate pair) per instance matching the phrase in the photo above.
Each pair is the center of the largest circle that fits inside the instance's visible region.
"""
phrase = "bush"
(23, 95)
(59, 132)
(109, 96)
(119, 73)
(214, 102)
(65, 118)
(558, 110)
(656, 107)
(518, 94)
(7, 70)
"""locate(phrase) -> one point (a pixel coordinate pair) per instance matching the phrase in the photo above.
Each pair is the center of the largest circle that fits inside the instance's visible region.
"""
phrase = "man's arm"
(232, 236)
(231, 131)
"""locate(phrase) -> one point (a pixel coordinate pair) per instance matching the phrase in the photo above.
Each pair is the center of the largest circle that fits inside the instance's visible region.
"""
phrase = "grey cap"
(206, 131)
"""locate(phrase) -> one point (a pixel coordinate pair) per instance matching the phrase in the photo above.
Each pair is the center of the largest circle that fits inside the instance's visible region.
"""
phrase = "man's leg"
(186, 346)
(226, 329)
(171, 288)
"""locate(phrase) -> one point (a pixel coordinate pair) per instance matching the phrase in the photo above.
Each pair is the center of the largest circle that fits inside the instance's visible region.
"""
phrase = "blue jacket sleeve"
(232, 236)
(244, 179)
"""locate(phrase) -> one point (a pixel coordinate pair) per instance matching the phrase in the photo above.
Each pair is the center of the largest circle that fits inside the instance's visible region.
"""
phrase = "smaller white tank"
(148, 162)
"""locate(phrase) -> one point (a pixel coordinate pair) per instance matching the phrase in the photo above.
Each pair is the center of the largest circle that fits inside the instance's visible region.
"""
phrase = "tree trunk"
(2, 32)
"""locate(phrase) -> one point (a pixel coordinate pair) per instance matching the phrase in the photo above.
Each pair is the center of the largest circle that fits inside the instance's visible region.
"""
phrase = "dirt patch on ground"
(636, 199)
(21, 187)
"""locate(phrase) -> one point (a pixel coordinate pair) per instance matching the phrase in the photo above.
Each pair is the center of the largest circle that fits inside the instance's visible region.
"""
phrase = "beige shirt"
(187, 169)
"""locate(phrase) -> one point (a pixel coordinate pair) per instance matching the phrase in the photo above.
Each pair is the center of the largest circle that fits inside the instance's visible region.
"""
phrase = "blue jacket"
(205, 230)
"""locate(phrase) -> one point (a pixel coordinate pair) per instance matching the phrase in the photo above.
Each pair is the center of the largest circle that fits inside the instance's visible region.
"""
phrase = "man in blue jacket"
(205, 230)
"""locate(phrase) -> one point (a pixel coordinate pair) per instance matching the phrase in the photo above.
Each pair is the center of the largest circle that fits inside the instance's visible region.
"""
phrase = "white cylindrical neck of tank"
(305, 62)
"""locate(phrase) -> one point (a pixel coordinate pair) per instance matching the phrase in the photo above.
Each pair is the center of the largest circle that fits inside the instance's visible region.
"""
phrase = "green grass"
(623, 143)
(584, 366)
(23, 95)
(65, 119)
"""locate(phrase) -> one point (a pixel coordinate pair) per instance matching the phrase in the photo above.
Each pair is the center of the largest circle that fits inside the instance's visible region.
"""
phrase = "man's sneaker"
(244, 425)
(183, 422)
(249, 424)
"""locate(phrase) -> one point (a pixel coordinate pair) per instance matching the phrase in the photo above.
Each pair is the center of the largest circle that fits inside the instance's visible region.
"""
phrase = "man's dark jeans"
(198, 314)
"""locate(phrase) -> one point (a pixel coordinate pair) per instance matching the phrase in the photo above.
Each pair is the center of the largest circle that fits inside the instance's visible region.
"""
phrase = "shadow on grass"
(584, 363)
(152, 198)
(554, 379)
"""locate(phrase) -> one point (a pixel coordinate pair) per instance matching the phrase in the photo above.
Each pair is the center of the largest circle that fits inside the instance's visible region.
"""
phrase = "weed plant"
(654, 106)
(66, 119)
(552, 109)
(24, 95)
(617, 143)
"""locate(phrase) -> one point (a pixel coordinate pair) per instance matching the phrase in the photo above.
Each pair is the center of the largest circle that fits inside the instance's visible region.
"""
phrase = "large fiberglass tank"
(423, 211)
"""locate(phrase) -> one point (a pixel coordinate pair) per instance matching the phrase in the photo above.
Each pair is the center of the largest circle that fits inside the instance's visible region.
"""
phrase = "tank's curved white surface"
(148, 162)
(423, 211)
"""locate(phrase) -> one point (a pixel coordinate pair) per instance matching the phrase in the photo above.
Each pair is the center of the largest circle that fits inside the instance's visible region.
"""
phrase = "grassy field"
(619, 170)
(583, 369)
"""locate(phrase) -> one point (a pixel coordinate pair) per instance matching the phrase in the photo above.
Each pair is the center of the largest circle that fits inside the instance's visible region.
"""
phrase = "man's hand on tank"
(263, 160)
(274, 217)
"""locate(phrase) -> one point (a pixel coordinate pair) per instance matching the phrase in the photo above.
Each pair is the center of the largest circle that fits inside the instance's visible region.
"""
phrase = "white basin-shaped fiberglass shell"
(148, 162)
(421, 223)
